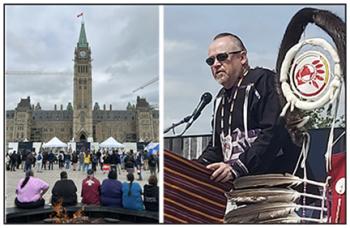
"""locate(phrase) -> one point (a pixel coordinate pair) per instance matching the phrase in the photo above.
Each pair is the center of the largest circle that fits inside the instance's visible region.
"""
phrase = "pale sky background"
(190, 29)
(123, 42)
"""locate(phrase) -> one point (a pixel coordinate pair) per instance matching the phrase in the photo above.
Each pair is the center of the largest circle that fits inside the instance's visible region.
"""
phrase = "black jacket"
(151, 197)
(66, 190)
(272, 151)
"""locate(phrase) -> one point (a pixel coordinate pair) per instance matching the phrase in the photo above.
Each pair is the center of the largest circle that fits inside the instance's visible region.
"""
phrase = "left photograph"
(81, 90)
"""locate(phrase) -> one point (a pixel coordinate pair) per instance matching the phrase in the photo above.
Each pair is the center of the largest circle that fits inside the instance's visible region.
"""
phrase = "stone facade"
(138, 122)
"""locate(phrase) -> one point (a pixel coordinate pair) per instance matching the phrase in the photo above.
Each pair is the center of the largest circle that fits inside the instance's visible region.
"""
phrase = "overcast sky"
(190, 29)
(124, 46)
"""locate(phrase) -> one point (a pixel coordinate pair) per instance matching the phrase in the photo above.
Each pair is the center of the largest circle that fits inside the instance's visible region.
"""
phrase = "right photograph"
(254, 114)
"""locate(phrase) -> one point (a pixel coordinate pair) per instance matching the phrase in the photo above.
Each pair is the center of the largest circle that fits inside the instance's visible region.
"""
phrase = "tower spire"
(82, 37)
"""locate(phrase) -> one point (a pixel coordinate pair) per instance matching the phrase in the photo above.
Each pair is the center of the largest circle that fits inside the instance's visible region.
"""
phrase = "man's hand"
(222, 172)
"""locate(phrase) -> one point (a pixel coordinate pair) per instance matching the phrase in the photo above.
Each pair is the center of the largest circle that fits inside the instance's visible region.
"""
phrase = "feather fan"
(291, 218)
(255, 213)
(262, 195)
(268, 180)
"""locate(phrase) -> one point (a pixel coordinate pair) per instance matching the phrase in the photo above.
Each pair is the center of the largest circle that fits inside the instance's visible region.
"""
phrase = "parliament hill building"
(82, 120)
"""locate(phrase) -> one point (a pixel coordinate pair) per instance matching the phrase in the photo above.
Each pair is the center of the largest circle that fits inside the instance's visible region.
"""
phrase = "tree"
(322, 118)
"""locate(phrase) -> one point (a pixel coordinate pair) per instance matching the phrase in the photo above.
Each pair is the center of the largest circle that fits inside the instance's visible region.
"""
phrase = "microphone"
(205, 100)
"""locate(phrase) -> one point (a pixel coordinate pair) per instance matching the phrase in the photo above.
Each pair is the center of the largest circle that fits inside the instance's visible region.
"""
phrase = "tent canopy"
(111, 143)
(54, 142)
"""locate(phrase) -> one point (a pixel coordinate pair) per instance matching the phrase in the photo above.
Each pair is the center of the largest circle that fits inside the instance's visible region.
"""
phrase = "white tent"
(54, 142)
(111, 143)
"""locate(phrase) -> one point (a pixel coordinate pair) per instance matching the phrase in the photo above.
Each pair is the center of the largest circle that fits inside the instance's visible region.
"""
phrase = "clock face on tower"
(82, 54)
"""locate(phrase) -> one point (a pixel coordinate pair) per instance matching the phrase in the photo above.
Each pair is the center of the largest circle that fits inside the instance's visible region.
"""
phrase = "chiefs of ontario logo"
(310, 74)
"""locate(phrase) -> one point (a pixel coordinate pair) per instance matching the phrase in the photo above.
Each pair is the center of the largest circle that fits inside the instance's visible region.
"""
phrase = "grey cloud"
(123, 41)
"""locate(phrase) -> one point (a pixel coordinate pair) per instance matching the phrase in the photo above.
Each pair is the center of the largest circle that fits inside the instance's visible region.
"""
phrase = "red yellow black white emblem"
(310, 74)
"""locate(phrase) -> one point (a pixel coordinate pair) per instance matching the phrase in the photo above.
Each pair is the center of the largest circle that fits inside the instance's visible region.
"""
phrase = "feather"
(330, 23)
(268, 180)
(291, 218)
(255, 213)
(262, 195)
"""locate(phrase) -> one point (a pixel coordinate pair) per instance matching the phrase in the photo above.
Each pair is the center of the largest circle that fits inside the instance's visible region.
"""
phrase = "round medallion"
(310, 74)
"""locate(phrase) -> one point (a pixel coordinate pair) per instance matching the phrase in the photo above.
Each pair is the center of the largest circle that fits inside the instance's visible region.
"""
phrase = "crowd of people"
(83, 161)
(111, 193)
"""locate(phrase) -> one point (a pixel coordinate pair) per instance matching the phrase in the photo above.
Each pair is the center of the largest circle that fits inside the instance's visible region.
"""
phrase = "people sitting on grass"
(151, 194)
(30, 191)
(90, 191)
(111, 191)
(132, 194)
(64, 191)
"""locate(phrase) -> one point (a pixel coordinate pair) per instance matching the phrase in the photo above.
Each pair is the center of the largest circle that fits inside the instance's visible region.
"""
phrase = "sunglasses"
(220, 57)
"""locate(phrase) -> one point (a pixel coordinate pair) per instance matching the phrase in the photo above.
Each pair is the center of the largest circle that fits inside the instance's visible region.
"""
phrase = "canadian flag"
(79, 15)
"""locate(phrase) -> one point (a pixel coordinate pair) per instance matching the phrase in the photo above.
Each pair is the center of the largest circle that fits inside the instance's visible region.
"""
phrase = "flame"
(78, 214)
(61, 216)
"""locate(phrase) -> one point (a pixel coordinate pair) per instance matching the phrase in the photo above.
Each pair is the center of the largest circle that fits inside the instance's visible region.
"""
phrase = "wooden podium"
(189, 194)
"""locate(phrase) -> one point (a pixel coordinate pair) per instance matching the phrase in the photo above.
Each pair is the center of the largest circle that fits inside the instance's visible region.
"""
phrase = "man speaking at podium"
(248, 137)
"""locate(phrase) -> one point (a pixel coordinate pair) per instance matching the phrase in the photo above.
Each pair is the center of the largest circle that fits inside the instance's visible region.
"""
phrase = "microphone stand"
(185, 120)
(187, 126)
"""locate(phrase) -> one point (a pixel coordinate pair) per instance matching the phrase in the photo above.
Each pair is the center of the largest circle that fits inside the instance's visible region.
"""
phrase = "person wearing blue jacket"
(111, 191)
(132, 192)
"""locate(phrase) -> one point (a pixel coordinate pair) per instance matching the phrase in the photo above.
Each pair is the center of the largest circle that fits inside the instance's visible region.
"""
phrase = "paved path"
(51, 176)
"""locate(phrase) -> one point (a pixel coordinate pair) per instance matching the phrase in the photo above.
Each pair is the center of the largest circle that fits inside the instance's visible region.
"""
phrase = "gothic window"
(82, 117)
